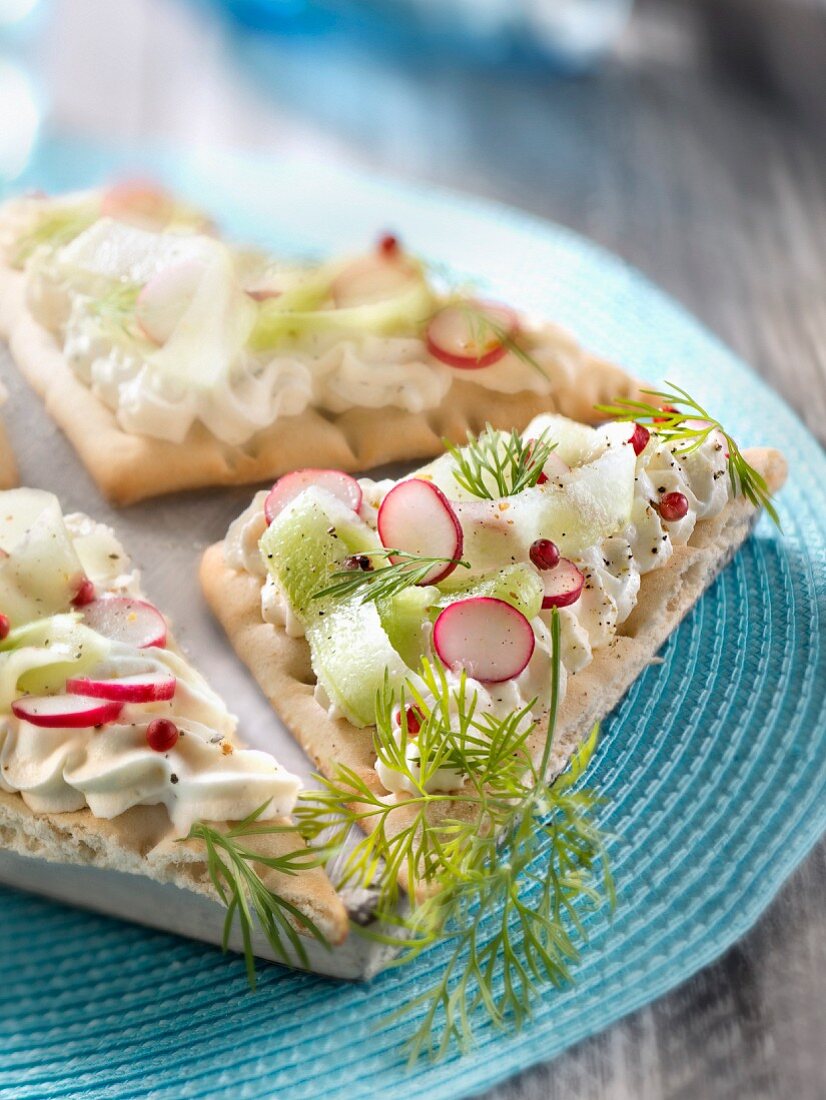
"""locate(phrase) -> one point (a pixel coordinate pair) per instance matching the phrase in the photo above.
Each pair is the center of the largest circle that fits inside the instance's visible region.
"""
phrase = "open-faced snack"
(114, 752)
(173, 360)
(370, 612)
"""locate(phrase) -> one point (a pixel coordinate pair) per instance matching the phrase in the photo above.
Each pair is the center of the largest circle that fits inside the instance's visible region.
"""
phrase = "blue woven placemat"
(714, 765)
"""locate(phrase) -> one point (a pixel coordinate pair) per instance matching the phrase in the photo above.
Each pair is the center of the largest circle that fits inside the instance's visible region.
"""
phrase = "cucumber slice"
(405, 619)
(47, 653)
(575, 443)
(41, 573)
(351, 655)
(518, 584)
(307, 541)
(402, 314)
(592, 502)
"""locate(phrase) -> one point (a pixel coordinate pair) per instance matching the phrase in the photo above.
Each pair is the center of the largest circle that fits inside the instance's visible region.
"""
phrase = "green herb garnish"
(497, 464)
(117, 306)
(239, 886)
(466, 859)
(676, 426)
(360, 577)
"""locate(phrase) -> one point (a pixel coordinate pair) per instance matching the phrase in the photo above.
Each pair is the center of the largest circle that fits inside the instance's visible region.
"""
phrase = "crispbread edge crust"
(281, 664)
(128, 468)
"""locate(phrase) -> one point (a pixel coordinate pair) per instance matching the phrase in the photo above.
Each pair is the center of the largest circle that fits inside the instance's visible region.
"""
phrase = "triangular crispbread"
(128, 468)
(281, 664)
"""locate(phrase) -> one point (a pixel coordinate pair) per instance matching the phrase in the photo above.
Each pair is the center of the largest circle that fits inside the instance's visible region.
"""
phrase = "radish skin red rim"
(65, 711)
(417, 517)
(153, 688)
(288, 487)
(563, 584)
(123, 619)
(451, 338)
(488, 638)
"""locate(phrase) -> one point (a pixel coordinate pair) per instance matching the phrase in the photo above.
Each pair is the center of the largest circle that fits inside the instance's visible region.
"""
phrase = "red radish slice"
(122, 619)
(263, 293)
(554, 466)
(563, 584)
(65, 711)
(371, 279)
(417, 517)
(165, 299)
(469, 337)
(137, 200)
(488, 638)
(287, 488)
(143, 688)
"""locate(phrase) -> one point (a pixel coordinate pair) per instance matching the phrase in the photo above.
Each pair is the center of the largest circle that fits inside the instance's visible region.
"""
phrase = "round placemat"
(714, 765)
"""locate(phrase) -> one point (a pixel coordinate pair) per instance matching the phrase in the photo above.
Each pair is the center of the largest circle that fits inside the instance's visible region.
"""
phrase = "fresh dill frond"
(117, 307)
(690, 429)
(499, 464)
(232, 870)
(499, 868)
(371, 584)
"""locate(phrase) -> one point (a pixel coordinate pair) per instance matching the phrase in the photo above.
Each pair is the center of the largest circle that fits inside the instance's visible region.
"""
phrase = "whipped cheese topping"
(611, 566)
(72, 289)
(111, 768)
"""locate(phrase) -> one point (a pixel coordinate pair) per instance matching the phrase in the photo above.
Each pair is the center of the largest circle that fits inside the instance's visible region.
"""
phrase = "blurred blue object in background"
(565, 35)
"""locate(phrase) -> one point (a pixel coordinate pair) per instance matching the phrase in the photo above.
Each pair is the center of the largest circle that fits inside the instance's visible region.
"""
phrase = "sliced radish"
(470, 337)
(417, 517)
(288, 487)
(488, 638)
(151, 687)
(554, 466)
(563, 584)
(137, 201)
(165, 299)
(263, 293)
(65, 711)
(371, 279)
(123, 619)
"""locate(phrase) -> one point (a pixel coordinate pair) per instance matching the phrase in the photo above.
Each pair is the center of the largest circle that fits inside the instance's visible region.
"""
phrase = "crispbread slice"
(128, 468)
(144, 842)
(281, 664)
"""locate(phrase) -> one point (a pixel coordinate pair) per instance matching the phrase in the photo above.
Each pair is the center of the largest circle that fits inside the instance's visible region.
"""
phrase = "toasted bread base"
(282, 667)
(129, 468)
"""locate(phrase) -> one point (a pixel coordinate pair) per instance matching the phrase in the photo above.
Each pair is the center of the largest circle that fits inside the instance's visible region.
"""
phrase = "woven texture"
(714, 766)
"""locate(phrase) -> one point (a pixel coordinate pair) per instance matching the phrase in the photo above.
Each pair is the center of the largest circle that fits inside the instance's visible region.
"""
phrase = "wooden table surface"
(718, 194)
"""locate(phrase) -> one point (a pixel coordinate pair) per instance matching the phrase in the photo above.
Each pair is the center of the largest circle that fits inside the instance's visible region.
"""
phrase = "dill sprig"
(373, 584)
(498, 868)
(499, 464)
(231, 866)
(117, 306)
(674, 425)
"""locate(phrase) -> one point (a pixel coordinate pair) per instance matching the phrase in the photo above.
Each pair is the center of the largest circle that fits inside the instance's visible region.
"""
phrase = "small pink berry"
(85, 593)
(639, 440)
(161, 734)
(5, 627)
(414, 719)
(389, 244)
(544, 554)
(673, 506)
